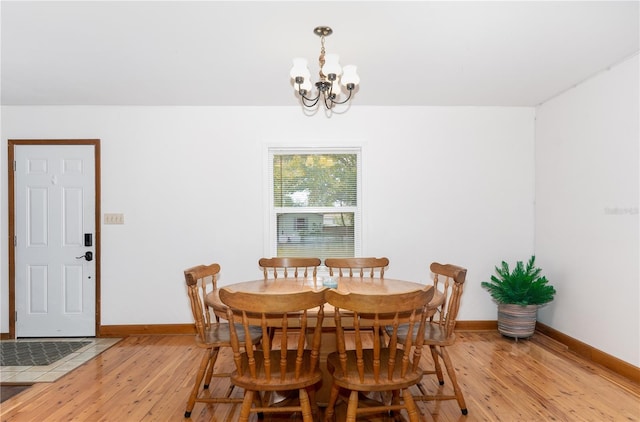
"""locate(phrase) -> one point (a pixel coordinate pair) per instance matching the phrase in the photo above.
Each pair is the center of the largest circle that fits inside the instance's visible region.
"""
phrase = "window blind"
(315, 203)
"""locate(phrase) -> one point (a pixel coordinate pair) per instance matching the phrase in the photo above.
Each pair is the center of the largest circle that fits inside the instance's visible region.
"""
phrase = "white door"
(54, 226)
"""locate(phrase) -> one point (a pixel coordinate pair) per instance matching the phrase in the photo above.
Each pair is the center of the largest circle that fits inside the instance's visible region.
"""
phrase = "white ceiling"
(238, 53)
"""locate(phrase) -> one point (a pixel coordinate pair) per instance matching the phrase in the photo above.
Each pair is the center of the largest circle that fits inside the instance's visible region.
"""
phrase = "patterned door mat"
(36, 353)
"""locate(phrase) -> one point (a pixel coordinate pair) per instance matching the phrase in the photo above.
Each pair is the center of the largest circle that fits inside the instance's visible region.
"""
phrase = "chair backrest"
(400, 311)
(201, 280)
(289, 267)
(360, 267)
(284, 311)
(449, 279)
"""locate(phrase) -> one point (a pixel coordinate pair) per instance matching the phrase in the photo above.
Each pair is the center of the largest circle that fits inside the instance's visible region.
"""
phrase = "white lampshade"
(349, 75)
(331, 64)
(336, 88)
(300, 69)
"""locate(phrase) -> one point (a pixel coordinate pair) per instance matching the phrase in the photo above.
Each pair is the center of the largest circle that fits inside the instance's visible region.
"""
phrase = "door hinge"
(15, 241)
(15, 165)
(16, 318)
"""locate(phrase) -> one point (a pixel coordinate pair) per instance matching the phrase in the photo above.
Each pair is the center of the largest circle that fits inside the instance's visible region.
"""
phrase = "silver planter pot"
(518, 321)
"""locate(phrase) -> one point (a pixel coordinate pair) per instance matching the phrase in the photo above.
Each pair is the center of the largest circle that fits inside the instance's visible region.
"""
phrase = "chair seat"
(352, 380)
(434, 334)
(276, 383)
(218, 335)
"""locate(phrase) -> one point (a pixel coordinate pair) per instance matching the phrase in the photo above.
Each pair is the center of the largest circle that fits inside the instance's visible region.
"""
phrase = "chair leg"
(196, 387)
(258, 402)
(213, 357)
(246, 406)
(312, 398)
(436, 364)
(333, 398)
(395, 397)
(352, 406)
(452, 375)
(395, 400)
(305, 405)
(412, 409)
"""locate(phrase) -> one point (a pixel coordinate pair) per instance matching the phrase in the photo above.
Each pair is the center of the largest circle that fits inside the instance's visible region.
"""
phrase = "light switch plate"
(113, 218)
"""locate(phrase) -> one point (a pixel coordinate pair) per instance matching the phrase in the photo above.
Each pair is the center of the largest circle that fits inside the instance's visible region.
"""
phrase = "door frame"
(12, 143)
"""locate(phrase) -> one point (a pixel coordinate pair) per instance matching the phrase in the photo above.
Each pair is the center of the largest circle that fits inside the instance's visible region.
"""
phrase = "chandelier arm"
(345, 100)
(328, 102)
(311, 105)
(309, 102)
(309, 99)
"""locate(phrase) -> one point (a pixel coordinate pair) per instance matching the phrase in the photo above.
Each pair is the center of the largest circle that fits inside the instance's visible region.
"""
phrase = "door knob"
(88, 256)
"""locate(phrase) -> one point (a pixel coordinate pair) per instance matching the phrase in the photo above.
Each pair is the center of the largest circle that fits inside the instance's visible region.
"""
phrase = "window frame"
(271, 223)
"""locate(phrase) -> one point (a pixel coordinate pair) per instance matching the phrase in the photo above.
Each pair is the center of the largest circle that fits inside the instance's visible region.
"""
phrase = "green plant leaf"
(520, 286)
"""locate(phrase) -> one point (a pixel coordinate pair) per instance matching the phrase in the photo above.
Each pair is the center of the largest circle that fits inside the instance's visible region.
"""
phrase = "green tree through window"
(326, 180)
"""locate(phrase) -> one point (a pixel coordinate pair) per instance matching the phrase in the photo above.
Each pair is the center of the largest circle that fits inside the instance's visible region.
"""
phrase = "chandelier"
(333, 78)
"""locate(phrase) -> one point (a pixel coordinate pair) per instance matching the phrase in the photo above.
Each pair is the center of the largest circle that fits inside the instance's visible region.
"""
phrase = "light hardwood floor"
(148, 378)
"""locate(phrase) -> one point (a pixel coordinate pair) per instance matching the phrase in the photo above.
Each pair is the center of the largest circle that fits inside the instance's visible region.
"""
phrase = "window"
(314, 202)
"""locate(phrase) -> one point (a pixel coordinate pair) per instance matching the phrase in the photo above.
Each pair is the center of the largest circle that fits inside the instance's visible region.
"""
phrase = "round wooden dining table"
(361, 285)
(364, 285)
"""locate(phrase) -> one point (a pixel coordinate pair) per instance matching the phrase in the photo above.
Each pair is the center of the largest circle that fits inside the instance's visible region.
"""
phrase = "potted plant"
(519, 293)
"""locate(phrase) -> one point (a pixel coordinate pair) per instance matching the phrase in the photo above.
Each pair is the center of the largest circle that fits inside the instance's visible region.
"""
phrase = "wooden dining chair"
(289, 267)
(274, 367)
(363, 267)
(285, 267)
(211, 335)
(439, 331)
(385, 369)
(359, 267)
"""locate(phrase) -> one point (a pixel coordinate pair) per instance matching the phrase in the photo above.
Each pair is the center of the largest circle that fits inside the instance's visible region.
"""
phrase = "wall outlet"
(114, 218)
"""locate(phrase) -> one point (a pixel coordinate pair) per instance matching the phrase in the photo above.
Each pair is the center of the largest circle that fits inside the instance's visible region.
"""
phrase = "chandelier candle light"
(332, 77)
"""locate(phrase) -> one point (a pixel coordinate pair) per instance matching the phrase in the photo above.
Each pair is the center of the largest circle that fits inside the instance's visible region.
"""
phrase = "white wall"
(586, 232)
(439, 184)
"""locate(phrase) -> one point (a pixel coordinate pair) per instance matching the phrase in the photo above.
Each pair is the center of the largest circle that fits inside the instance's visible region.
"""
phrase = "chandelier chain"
(321, 58)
